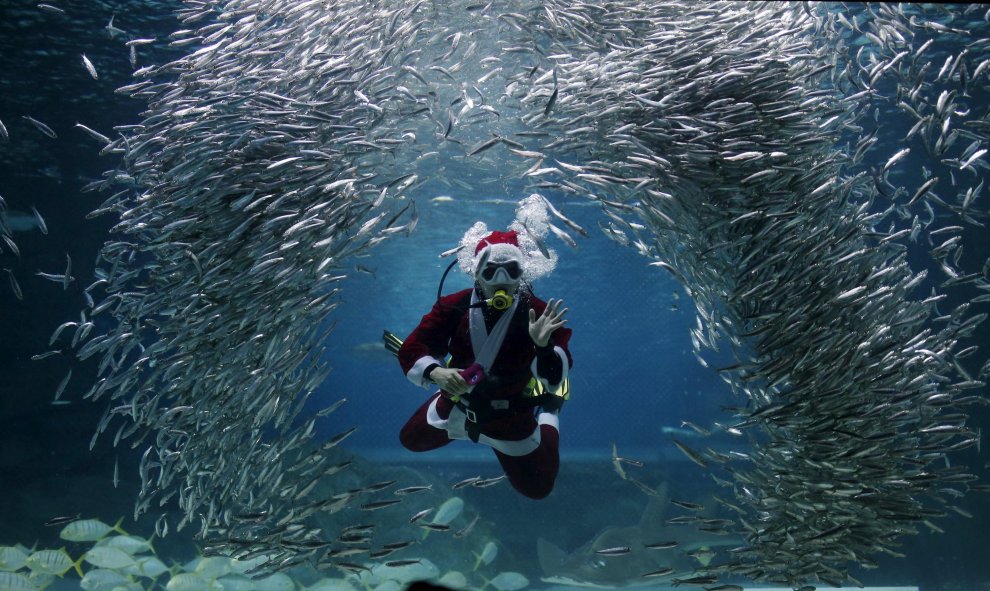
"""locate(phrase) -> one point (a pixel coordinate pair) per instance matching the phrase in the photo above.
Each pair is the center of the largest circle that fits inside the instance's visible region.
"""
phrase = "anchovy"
(50, 8)
(62, 520)
(41, 126)
(39, 220)
(466, 482)
(379, 504)
(408, 490)
(14, 286)
(401, 563)
(435, 526)
(485, 146)
(95, 134)
(659, 572)
(690, 453)
(419, 515)
(614, 551)
(90, 68)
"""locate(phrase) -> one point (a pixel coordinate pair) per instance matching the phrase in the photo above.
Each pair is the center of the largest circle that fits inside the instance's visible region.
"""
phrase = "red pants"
(532, 474)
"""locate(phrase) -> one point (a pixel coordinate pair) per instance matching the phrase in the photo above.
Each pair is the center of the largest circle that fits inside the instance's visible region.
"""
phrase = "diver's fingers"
(450, 380)
(458, 383)
(552, 307)
(557, 315)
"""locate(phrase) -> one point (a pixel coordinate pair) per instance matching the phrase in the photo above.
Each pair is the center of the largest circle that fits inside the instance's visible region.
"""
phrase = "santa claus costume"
(486, 331)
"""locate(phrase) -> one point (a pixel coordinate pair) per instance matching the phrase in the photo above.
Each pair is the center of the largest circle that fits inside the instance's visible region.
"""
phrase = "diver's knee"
(538, 493)
(408, 439)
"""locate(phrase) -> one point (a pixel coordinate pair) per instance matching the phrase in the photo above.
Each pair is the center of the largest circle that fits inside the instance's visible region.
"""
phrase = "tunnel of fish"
(742, 148)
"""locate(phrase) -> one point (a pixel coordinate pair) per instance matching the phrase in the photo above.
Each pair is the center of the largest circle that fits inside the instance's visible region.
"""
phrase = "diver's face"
(493, 276)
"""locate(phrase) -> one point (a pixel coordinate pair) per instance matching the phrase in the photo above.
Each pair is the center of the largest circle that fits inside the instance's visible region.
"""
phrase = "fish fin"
(656, 508)
(117, 528)
(549, 556)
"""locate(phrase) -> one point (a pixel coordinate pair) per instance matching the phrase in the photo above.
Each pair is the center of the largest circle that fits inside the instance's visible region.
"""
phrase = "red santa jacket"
(446, 329)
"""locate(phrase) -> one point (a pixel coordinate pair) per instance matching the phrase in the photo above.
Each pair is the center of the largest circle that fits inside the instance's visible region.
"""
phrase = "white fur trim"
(456, 427)
(549, 418)
(522, 447)
(465, 256)
(415, 373)
(454, 424)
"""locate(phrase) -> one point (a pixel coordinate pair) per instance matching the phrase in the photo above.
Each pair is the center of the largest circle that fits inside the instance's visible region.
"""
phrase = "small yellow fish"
(53, 562)
(12, 558)
(107, 557)
(16, 582)
(89, 530)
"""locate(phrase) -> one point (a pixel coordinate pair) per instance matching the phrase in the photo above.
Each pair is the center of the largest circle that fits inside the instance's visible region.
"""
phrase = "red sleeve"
(431, 337)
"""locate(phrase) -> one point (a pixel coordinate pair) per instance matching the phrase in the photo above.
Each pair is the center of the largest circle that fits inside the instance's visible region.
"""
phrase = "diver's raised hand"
(552, 318)
(450, 380)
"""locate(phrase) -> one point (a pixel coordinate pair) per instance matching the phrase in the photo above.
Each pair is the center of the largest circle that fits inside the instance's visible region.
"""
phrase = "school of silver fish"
(745, 148)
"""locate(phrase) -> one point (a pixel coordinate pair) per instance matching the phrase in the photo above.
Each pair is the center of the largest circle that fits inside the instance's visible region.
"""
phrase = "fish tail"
(477, 561)
(117, 528)
(77, 565)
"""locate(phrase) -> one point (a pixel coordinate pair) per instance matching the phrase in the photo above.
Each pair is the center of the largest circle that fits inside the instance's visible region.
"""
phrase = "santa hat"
(501, 247)
(517, 244)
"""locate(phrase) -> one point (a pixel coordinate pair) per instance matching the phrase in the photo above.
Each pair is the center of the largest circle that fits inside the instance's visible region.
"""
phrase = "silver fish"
(90, 67)
(41, 126)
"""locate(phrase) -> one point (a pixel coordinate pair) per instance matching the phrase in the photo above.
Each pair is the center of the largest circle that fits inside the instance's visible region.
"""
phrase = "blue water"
(634, 371)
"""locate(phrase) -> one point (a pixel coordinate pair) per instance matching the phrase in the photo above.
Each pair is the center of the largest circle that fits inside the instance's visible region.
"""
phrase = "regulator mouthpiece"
(500, 300)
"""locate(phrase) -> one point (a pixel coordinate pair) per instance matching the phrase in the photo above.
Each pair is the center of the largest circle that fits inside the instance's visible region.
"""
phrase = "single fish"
(90, 68)
(614, 551)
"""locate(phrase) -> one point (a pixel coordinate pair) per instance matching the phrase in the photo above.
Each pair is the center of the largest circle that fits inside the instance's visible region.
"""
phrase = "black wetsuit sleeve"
(549, 365)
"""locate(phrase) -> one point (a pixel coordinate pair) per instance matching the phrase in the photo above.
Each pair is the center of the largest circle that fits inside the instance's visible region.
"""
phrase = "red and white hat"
(501, 246)
(518, 243)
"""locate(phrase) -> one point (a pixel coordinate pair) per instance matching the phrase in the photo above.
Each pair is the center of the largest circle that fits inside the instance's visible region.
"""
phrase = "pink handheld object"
(473, 374)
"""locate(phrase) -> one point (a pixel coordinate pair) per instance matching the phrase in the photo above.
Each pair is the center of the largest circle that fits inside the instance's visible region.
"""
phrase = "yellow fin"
(117, 528)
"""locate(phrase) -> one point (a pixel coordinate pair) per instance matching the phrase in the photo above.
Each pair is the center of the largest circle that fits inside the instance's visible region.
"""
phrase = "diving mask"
(498, 282)
(506, 272)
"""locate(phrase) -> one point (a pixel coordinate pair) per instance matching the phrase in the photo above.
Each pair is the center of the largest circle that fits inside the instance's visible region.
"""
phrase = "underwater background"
(636, 378)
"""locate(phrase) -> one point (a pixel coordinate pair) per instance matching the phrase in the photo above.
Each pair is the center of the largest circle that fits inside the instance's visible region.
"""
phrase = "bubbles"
(533, 224)
(465, 256)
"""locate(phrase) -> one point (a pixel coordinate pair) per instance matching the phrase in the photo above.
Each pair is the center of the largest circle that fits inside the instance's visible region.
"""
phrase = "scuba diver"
(506, 378)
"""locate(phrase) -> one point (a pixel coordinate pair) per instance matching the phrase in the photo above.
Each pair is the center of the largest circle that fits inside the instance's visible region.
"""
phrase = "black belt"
(480, 410)
(497, 406)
